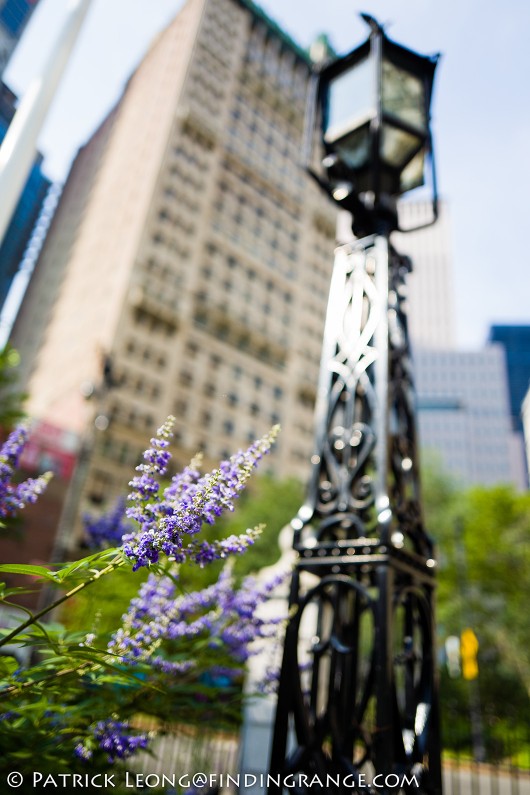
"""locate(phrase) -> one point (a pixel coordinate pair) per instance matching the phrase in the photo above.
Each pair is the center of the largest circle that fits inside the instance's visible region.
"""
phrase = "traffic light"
(468, 652)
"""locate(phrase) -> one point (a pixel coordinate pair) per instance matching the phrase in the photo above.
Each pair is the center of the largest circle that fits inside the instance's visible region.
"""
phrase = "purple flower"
(115, 738)
(186, 504)
(107, 530)
(204, 552)
(228, 617)
(82, 752)
(185, 480)
(14, 497)
(270, 680)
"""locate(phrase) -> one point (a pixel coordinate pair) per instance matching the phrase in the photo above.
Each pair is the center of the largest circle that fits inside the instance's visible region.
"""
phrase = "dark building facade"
(516, 342)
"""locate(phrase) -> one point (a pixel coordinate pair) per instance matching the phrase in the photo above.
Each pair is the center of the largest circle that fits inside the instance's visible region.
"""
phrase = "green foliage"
(74, 681)
(483, 583)
(10, 398)
(172, 660)
(100, 610)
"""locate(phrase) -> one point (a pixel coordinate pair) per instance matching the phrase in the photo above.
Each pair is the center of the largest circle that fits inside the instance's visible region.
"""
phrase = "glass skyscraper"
(14, 14)
(28, 209)
(516, 342)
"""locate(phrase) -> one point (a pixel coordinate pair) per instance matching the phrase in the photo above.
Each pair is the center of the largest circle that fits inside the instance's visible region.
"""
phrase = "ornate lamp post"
(358, 695)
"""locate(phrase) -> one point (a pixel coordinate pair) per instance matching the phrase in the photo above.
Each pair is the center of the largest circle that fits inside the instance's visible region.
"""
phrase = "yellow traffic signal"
(468, 651)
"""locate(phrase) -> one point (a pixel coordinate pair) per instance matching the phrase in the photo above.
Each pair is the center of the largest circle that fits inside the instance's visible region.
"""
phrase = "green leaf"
(32, 571)
(5, 593)
(8, 666)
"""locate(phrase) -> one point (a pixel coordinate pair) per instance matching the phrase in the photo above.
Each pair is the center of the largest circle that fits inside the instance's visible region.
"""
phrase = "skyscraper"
(27, 211)
(14, 15)
(187, 268)
(463, 396)
(464, 416)
(515, 339)
(430, 285)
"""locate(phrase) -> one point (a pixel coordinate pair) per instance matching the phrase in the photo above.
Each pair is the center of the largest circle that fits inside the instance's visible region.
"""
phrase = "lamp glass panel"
(404, 96)
(412, 174)
(397, 146)
(351, 100)
(354, 149)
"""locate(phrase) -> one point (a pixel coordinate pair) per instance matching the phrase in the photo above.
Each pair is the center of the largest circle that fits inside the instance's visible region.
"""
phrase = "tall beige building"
(192, 252)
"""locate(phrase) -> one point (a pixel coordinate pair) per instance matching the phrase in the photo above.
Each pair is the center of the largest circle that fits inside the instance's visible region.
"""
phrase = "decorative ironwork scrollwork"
(362, 700)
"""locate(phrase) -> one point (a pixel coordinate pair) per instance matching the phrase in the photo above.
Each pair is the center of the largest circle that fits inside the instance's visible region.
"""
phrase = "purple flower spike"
(107, 530)
(187, 503)
(156, 458)
(115, 738)
(205, 552)
(219, 614)
(14, 497)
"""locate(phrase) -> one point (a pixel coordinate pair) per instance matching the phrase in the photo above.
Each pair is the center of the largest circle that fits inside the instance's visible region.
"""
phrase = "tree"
(483, 583)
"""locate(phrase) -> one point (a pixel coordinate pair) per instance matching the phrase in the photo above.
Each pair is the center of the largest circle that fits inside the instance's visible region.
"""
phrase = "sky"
(481, 114)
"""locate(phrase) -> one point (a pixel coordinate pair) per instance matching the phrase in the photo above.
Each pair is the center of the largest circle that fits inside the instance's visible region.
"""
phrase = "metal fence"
(188, 751)
(464, 777)
(485, 756)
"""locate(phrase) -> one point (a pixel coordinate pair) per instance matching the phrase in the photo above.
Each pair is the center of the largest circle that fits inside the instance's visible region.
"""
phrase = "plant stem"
(34, 618)
(35, 682)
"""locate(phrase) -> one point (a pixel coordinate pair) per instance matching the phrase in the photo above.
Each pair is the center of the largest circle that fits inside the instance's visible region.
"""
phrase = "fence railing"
(464, 777)
(187, 751)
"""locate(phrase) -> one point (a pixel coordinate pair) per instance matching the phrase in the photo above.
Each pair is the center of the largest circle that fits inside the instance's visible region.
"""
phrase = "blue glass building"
(516, 342)
(28, 209)
(14, 14)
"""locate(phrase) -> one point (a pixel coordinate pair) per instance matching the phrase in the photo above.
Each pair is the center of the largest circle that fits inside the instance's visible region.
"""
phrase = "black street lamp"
(357, 700)
(374, 109)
